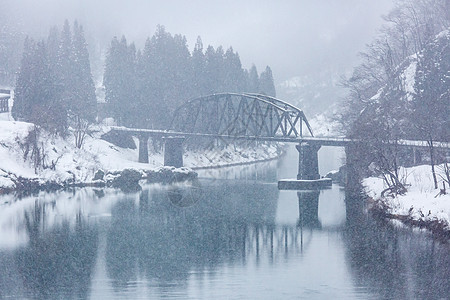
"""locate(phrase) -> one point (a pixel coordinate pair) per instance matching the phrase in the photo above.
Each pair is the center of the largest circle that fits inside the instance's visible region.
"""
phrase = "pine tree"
(199, 69)
(65, 64)
(11, 42)
(47, 110)
(214, 69)
(253, 80)
(234, 77)
(21, 109)
(53, 44)
(37, 97)
(82, 107)
(166, 74)
(148, 86)
(119, 79)
(266, 84)
(83, 104)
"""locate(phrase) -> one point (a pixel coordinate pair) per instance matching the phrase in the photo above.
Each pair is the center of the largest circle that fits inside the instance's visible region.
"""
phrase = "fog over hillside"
(305, 39)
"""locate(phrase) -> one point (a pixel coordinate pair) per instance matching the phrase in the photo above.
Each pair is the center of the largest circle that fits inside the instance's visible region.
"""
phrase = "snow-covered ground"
(421, 202)
(63, 162)
(326, 125)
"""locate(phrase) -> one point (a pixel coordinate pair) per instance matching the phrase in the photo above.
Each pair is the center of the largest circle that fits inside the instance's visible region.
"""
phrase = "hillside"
(45, 158)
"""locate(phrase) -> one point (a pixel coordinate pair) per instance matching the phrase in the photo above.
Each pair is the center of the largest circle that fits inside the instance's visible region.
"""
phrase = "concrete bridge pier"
(308, 161)
(173, 151)
(143, 147)
(308, 209)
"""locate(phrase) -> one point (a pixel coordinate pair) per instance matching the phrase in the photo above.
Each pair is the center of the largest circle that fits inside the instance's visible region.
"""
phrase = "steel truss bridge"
(231, 116)
(249, 117)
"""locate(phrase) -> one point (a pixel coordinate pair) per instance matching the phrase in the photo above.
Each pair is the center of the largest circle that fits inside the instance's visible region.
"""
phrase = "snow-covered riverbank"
(421, 206)
(43, 159)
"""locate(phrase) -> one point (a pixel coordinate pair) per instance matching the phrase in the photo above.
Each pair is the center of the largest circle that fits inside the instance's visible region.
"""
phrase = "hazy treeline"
(11, 45)
(401, 90)
(144, 87)
(54, 88)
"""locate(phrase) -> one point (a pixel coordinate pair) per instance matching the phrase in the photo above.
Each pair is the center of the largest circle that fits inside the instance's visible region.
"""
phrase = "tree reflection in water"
(166, 236)
(391, 262)
(56, 263)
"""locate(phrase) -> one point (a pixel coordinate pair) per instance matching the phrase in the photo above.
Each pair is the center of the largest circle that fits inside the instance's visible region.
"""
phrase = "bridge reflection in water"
(236, 239)
(168, 235)
(165, 235)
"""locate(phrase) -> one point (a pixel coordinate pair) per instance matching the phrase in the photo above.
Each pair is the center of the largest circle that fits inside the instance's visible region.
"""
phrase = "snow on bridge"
(336, 141)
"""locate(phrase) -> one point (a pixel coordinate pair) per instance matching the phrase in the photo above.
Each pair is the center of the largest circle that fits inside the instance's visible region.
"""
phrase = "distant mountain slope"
(314, 94)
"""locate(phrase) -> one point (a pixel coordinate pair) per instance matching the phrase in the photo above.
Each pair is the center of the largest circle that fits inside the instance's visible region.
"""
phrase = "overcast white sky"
(294, 37)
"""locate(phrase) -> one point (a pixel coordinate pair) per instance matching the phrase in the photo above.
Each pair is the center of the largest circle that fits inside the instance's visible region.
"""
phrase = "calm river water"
(232, 237)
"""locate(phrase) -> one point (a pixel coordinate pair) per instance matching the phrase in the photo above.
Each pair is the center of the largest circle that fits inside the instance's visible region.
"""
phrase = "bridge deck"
(323, 141)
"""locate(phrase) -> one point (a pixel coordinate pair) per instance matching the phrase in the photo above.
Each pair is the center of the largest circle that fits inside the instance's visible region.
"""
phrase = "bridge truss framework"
(241, 115)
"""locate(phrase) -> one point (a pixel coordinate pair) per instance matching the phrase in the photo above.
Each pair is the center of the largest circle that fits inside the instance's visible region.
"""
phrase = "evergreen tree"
(266, 84)
(55, 81)
(119, 79)
(234, 77)
(166, 74)
(214, 69)
(199, 69)
(82, 107)
(83, 100)
(21, 109)
(148, 86)
(64, 64)
(53, 44)
(37, 93)
(11, 42)
(253, 80)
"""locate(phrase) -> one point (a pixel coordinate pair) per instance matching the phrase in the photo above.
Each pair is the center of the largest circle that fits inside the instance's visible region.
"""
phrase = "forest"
(401, 90)
(54, 87)
(145, 86)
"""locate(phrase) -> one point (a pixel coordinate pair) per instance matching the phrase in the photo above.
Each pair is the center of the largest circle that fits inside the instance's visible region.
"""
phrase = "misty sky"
(294, 37)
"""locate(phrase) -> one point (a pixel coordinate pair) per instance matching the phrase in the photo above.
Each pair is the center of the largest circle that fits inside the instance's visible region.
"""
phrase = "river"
(232, 235)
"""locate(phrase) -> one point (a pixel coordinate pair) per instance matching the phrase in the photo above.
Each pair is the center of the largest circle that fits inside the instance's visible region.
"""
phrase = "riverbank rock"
(98, 175)
(338, 176)
(170, 174)
(127, 180)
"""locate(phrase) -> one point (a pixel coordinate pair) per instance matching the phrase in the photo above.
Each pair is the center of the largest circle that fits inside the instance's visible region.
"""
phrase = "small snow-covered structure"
(5, 95)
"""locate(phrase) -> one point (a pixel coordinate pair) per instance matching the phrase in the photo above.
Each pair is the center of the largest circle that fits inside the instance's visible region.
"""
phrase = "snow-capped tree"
(119, 80)
(37, 93)
(234, 76)
(266, 84)
(55, 82)
(382, 104)
(431, 104)
(253, 80)
(199, 69)
(24, 83)
(166, 79)
(83, 101)
(144, 88)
